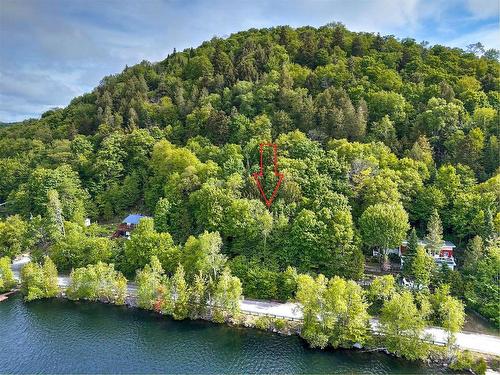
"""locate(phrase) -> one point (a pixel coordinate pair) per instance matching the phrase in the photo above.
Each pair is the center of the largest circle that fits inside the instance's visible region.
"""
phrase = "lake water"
(59, 336)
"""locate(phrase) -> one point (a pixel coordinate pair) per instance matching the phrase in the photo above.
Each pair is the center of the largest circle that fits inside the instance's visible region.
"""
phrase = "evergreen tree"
(357, 48)
(422, 151)
(489, 226)
(473, 254)
(422, 268)
(197, 297)
(338, 39)
(411, 252)
(434, 234)
(179, 291)
(132, 119)
(55, 216)
(107, 152)
(163, 215)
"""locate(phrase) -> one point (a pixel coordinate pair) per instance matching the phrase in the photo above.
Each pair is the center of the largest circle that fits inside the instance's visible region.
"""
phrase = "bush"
(39, 281)
(287, 284)
(7, 281)
(263, 322)
(218, 316)
(279, 324)
(468, 361)
(98, 282)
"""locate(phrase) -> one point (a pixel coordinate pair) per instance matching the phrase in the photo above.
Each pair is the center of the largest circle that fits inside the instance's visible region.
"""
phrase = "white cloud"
(483, 9)
(488, 36)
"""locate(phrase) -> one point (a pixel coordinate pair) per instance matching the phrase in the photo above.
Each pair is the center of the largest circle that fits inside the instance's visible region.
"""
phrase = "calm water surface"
(58, 336)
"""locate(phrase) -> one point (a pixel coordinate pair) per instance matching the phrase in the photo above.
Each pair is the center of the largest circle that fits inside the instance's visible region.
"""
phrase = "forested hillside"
(374, 134)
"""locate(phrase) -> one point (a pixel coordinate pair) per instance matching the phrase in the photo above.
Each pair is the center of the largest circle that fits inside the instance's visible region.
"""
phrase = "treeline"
(374, 135)
(337, 313)
(214, 295)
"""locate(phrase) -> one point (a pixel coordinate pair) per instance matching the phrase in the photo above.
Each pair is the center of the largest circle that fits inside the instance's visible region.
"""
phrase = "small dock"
(6, 296)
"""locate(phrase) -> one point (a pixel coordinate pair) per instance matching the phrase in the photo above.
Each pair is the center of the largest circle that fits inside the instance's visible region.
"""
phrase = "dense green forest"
(375, 135)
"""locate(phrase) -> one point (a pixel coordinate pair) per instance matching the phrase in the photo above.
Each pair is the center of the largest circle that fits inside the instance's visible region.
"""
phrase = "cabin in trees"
(127, 225)
(445, 255)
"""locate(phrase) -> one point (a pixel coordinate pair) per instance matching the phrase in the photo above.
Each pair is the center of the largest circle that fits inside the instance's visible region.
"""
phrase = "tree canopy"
(375, 134)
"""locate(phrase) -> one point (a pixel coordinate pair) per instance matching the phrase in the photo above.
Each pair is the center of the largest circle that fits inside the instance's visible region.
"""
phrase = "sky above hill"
(52, 51)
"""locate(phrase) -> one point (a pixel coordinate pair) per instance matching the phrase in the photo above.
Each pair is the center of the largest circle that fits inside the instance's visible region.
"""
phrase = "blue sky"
(52, 51)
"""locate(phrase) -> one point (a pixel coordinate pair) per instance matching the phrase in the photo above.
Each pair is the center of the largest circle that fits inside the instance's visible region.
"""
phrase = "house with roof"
(128, 225)
(445, 255)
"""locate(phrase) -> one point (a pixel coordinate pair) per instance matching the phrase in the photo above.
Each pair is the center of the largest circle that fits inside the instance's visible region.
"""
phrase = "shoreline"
(286, 319)
(484, 344)
(153, 337)
(248, 321)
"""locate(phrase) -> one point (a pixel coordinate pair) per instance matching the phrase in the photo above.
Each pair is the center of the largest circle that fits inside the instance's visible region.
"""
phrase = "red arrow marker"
(260, 174)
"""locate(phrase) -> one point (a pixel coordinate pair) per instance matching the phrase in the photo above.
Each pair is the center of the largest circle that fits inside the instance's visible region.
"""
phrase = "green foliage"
(39, 281)
(422, 267)
(146, 242)
(468, 361)
(287, 284)
(148, 282)
(7, 280)
(371, 132)
(99, 282)
(384, 225)
(263, 322)
(473, 253)
(33, 198)
(381, 289)
(262, 280)
(411, 253)
(197, 297)
(481, 282)
(279, 324)
(258, 280)
(179, 292)
(402, 324)
(226, 297)
(448, 312)
(434, 234)
(80, 247)
(335, 311)
(177, 297)
(162, 217)
(203, 255)
(13, 236)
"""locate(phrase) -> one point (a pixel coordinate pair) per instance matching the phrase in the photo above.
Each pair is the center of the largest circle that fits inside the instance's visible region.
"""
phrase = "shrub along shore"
(336, 312)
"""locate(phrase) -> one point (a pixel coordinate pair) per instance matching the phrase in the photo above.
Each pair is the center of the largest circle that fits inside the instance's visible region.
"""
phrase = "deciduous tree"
(402, 325)
(384, 225)
(39, 281)
(7, 280)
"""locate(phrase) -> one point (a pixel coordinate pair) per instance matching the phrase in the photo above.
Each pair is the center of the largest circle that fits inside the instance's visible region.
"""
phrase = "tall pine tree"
(434, 234)
(411, 252)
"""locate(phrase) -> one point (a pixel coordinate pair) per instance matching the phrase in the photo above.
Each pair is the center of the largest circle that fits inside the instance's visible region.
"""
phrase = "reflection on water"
(60, 336)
